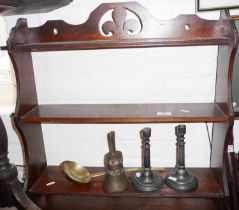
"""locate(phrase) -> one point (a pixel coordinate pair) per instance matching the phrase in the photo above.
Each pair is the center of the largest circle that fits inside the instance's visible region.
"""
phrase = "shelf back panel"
(130, 25)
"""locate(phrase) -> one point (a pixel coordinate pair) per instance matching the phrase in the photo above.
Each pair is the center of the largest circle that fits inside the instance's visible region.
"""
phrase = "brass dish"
(80, 174)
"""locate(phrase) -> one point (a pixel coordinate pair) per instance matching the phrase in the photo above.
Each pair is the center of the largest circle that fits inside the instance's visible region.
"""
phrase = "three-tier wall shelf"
(215, 190)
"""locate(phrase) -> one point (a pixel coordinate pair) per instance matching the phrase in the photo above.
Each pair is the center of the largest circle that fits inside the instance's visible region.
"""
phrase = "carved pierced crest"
(120, 24)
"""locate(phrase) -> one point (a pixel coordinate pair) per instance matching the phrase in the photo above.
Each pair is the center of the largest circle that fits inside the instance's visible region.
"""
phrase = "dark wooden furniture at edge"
(17, 7)
(11, 192)
(218, 186)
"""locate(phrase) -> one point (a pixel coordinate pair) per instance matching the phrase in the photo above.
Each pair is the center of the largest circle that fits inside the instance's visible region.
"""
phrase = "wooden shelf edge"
(112, 44)
(183, 30)
(207, 188)
(125, 113)
(86, 203)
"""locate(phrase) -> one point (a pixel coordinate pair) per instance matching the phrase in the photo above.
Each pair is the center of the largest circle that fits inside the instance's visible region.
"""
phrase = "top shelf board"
(141, 30)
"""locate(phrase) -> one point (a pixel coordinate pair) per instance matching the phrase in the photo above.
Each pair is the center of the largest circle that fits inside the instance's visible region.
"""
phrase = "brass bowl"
(75, 172)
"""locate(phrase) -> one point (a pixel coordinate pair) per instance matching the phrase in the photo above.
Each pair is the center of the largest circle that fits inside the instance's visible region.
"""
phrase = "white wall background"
(7, 80)
(121, 76)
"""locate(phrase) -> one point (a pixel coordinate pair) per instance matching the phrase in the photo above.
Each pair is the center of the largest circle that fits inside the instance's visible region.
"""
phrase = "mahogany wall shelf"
(214, 190)
(16, 7)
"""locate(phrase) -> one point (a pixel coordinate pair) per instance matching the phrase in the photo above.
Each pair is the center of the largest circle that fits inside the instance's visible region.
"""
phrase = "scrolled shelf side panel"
(34, 151)
(225, 62)
(217, 153)
(222, 132)
(25, 79)
(31, 135)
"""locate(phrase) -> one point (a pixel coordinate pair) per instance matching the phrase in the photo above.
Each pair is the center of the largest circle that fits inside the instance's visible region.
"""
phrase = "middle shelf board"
(125, 113)
(207, 185)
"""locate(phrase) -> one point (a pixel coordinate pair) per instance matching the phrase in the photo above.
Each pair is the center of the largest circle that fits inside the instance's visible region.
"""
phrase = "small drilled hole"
(55, 31)
(187, 27)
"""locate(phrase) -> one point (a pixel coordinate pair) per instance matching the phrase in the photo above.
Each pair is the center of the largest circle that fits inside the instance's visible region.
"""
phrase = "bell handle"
(111, 141)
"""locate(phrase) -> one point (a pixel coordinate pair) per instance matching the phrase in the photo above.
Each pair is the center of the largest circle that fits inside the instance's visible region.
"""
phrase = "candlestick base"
(181, 179)
(147, 181)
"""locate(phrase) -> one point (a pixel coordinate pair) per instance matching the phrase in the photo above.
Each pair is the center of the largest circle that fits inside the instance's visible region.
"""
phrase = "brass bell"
(115, 179)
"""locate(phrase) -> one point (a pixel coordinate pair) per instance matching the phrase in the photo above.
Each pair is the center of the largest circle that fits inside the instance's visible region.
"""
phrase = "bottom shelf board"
(116, 203)
(207, 186)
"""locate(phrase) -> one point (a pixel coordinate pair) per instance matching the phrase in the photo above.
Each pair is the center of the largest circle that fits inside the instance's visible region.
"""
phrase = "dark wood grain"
(137, 43)
(125, 113)
(217, 161)
(149, 32)
(31, 135)
(222, 161)
(233, 181)
(207, 187)
(66, 202)
(34, 151)
(26, 89)
(87, 196)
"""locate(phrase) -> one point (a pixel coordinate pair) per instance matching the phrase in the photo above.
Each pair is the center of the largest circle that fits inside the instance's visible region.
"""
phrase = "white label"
(230, 149)
(164, 113)
(50, 183)
(184, 110)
